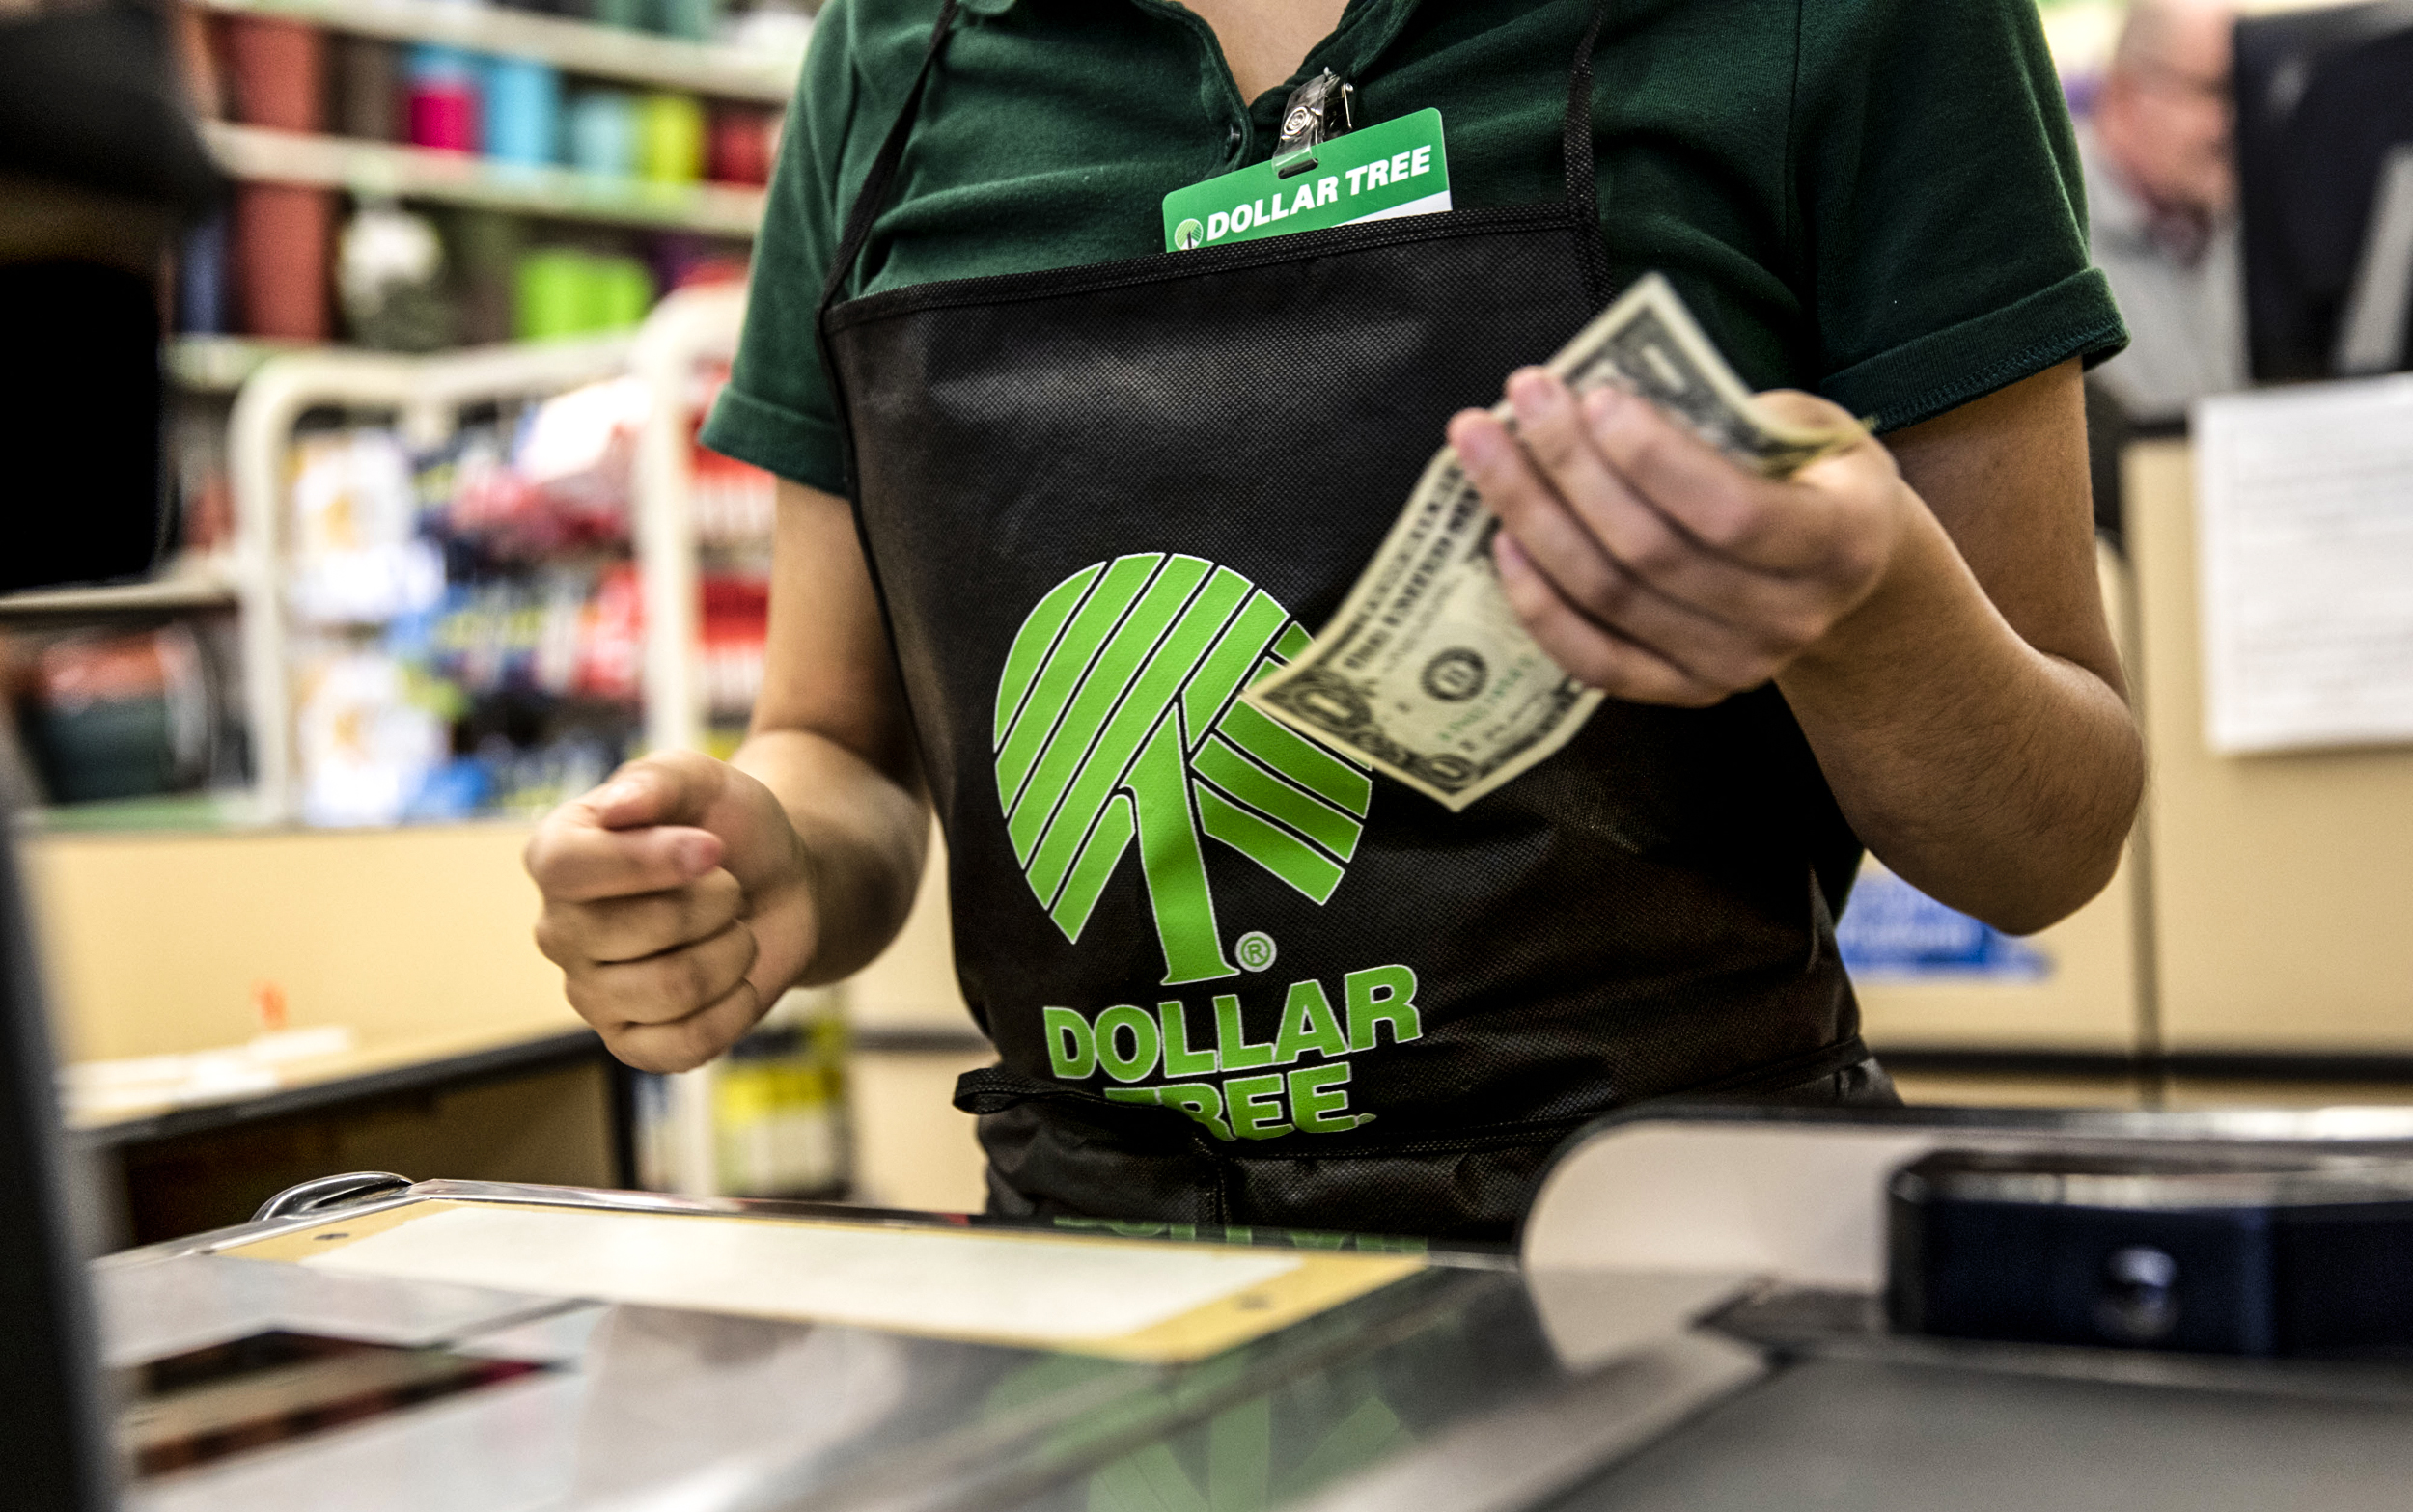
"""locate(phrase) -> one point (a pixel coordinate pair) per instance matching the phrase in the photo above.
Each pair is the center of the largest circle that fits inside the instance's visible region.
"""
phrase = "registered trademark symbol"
(1255, 950)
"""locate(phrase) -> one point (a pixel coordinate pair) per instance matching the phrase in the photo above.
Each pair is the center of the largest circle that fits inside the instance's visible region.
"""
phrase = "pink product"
(444, 114)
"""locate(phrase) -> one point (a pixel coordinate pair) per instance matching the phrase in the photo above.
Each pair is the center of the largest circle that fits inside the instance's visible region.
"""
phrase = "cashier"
(1050, 491)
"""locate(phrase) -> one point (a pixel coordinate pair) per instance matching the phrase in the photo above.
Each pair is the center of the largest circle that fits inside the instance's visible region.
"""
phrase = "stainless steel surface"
(320, 1194)
(1468, 1388)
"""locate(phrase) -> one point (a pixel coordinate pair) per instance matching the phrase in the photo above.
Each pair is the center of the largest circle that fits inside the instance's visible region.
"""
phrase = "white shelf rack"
(384, 169)
(609, 52)
(205, 585)
(426, 395)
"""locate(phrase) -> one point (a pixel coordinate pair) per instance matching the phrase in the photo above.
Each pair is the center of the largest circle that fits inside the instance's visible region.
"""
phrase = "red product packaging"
(742, 145)
(280, 72)
(611, 637)
(283, 240)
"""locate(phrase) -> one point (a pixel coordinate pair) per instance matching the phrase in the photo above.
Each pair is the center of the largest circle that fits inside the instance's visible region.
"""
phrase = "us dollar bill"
(1426, 673)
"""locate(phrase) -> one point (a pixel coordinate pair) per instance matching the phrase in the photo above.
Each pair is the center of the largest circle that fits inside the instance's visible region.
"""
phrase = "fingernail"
(611, 795)
(1478, 442)
(696, 854)
(1532, 394)
(1602, 404)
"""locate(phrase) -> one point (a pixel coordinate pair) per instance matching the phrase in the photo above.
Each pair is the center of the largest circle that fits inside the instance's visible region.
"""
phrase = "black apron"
(1232, 977)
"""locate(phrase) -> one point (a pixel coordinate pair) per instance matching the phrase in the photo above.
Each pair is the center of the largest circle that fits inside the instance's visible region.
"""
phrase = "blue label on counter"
(1891, 929)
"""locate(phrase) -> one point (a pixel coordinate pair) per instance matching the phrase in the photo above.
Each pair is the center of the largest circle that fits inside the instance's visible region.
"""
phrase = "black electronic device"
(2324, 98)
(2289, 1256)
(96, 153)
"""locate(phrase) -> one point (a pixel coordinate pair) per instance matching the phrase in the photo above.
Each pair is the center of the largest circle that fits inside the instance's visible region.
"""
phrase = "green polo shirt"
(1876, 200)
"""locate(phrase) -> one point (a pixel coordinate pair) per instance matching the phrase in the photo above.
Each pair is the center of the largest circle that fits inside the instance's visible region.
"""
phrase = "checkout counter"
(1697, 1317)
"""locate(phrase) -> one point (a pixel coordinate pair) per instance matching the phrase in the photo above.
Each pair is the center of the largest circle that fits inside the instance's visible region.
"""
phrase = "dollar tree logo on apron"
(1117, 725)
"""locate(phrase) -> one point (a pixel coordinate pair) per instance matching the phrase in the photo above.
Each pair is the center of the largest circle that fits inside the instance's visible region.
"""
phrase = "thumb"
(687, 789)
(666, 787)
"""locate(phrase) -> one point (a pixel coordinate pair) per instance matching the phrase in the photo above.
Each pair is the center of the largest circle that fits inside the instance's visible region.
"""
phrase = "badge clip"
(1319, 110)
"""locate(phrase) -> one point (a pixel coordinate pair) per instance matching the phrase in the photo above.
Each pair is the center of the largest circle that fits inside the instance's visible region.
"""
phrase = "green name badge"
(1397, 168)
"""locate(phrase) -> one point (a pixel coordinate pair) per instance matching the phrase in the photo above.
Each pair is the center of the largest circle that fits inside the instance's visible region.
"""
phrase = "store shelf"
(205, 589)
(378, 168)
(219, 364)
(602, 51)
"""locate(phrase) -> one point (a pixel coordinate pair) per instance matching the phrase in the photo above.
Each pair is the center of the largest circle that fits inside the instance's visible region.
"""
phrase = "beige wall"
(157, 943)
(2281, 884)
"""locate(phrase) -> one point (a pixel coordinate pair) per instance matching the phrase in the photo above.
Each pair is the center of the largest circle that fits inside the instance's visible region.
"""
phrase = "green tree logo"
(1117, 721)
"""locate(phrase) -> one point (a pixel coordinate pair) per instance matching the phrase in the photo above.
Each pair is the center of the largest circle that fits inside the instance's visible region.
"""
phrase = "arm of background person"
(1928, 607)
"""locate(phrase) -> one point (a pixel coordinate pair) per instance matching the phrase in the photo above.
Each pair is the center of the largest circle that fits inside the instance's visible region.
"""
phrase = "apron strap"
(1575, 139)
(873, 197)
(868, 204)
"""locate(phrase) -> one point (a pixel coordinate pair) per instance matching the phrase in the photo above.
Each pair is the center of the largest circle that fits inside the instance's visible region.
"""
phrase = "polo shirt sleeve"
(776, 411)
(1939, 192)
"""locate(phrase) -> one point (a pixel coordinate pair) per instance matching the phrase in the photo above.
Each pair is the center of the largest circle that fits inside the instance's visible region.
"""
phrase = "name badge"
(1398, 168)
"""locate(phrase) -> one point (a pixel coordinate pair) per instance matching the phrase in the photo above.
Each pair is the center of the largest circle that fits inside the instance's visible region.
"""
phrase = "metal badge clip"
(1319, 110)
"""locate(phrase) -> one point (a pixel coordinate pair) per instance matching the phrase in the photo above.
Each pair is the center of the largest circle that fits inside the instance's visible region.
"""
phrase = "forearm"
(863, 835)
(1998, 779)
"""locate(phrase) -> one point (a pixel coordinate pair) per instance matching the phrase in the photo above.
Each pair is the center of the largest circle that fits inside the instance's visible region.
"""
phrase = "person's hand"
(679, 904)
(1653, 567)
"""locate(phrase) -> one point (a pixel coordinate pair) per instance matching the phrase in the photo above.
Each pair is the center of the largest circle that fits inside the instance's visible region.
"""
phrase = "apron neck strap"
(875, 192)
(1583, 194)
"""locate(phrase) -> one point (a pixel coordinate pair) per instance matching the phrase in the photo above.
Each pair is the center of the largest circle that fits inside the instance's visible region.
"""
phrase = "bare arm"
(684, 896)
(831, 738)
(1928, 610)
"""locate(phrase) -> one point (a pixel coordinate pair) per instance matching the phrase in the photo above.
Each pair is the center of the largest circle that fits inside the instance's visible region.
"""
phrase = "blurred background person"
(2161, 190)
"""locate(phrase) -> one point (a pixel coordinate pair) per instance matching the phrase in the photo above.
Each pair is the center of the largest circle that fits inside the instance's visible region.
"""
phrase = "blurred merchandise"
(603, 131)
(486, 247)
(284, 238)
(523, 111)
(445, 107)
(736, 628)
(369, 90)
(568, 291)
(731, 503)
(368, 736)
(203, 296)
(279, 71)
(390, 276)
(776, 1107)
(358, 556)
(774, 29)
(115, 715)
(745, 141)
(630, 13)
(670, 138)
(694, 20)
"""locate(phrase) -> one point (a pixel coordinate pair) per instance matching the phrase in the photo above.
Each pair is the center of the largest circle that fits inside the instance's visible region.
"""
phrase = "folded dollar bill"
(1426, 673)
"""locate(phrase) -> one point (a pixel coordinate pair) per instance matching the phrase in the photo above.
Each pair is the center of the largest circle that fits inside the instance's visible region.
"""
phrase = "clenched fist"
(679, 904)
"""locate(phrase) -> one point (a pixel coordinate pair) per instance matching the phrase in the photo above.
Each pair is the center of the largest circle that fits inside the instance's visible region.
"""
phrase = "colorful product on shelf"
(119, 716)
(357, 555)
(390, 276)
(736, 631)
(732, 503)
(744, 142)
(279, 71)
(284, 238)
(523, 112)
(567, 291)
(603, 132)
(369, 90)
(670, 138)
(445, 104)
(367, 735)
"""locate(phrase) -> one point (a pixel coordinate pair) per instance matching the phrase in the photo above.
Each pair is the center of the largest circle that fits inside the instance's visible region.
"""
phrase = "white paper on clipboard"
(2304, 530)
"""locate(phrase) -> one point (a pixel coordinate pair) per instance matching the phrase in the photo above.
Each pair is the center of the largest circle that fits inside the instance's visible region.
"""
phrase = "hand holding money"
(1647, 564)
(1639, 558)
